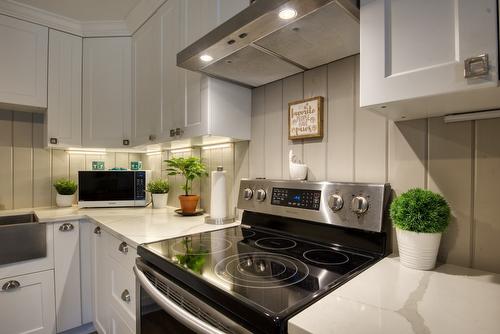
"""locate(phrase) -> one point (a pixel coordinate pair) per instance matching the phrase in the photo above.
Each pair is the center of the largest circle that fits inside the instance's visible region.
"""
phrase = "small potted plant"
(65, 192)
(420, 217)
(190, 168)
(159, 191)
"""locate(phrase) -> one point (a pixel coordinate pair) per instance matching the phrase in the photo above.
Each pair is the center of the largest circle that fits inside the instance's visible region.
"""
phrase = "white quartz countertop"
(391, 299)
(132, 225)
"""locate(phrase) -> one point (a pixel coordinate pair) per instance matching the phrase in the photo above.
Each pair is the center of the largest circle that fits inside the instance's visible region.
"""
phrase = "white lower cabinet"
(27, 304)
(67, 275)
(113, 284)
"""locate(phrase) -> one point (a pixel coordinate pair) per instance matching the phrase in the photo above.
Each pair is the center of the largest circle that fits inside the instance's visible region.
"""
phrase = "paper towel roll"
(218, 200)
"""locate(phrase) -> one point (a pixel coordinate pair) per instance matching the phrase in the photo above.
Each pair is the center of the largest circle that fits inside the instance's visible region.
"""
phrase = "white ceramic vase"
(63, 201)
(159, 201)
(418, 250)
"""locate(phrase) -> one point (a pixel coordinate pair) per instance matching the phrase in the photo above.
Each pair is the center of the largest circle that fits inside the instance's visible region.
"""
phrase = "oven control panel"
(354, 205)
(296, 198)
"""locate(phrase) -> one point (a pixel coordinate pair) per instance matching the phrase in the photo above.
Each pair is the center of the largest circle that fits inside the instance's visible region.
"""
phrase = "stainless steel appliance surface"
(260, 45)
(297, 242)
(113, 188)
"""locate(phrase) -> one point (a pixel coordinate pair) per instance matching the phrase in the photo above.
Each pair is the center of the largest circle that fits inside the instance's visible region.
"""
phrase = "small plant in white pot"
(159, 191)
(420, 217)
(65, 192)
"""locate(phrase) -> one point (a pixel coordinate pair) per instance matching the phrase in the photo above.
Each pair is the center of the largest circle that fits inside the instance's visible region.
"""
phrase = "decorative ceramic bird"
(298, 170)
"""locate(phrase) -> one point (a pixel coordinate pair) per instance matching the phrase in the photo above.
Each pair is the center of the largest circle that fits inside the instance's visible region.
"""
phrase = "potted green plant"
(420, 217)
(190, 168)
(159, 191)
(65, 192)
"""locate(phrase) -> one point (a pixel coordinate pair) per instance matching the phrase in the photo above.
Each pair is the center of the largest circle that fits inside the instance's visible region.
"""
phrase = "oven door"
(164, 307)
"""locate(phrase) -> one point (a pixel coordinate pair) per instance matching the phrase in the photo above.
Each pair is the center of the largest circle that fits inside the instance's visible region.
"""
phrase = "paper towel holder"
(219, 221)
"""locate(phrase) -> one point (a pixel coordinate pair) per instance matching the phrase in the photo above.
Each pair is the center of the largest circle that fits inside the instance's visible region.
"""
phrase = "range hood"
(257, 46)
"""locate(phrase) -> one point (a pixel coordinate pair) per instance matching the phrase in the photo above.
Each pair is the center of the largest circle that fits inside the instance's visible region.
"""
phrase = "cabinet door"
(23, 63)
(28, 306)
(107, 65)
(67, 275)
(201, 17)
(229, 8)
(118, 324)
(147, 83)
(170, 15)
(101, 285)
(64, 109)
(413, 49)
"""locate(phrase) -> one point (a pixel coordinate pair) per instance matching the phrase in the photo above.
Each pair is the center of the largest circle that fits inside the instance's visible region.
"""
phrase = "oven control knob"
(260, 196)
(247, 194)
(359, 205)
(335, 202)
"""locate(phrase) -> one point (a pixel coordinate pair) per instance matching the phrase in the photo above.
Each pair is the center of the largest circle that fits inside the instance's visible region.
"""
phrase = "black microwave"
(103, 189)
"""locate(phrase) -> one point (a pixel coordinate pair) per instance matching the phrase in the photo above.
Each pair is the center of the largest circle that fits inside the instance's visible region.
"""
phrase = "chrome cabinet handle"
(123, 248)
(97, 230)
(476, 66)
(66, 227)
(125, 296)
(177, 312)
(11, 285)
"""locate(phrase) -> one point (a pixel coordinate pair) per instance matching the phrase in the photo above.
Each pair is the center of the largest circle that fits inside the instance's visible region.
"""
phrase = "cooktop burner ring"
(223, 270)
(180, 248)
(242, 271)
(260, 243)
(314, 255)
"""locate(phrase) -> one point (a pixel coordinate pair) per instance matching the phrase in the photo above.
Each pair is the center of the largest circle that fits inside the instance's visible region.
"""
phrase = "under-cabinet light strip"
(182, 150)
(472, 116)
(211, 147)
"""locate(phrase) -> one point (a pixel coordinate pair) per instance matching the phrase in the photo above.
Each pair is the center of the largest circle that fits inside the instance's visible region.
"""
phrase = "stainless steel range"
(297, 242)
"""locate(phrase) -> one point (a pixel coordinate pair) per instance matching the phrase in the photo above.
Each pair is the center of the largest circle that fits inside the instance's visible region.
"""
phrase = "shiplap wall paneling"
(293, 90)
(60, 169)
(273, 118)
(486, 226)
(315, 150)
(370, 137)
(450, 173)
(341, 110)
(257, 144)
(42, 158)
(22, 140)
(6, 200)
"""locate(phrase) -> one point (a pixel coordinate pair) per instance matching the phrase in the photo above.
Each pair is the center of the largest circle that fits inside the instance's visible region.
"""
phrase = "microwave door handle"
(173, 309)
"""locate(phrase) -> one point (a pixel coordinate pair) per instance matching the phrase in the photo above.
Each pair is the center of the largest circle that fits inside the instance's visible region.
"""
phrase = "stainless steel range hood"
(256, 46)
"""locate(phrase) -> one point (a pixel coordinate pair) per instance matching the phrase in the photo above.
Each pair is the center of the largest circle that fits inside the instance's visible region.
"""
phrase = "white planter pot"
(418, 250)
(159, 201)
(64, 200)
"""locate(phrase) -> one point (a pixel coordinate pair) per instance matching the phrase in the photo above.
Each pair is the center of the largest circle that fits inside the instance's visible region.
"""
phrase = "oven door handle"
(173, 309)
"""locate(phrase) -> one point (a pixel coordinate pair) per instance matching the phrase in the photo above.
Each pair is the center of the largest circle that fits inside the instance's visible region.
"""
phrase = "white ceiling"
(86, 10)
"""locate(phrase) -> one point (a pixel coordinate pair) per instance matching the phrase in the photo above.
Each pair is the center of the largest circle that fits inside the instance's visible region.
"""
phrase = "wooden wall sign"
(305, 118)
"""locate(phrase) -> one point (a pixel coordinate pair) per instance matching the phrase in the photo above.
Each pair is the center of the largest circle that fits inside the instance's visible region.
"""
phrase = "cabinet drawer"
(27, 304)
(119, 250)
(123, 291)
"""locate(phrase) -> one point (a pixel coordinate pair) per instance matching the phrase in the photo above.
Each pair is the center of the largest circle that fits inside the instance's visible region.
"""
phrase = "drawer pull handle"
(125, 296)
(476, 66)
(66, 227)
(123, 248)
(11, 285)
(97, 230)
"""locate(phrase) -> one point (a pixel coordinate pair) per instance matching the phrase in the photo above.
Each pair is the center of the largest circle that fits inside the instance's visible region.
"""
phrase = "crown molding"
(141, 13)
(104, 29)
(40, 16)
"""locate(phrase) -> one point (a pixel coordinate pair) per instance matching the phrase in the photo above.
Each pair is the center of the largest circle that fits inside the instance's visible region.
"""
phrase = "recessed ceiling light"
(206, 58)
(287, 13)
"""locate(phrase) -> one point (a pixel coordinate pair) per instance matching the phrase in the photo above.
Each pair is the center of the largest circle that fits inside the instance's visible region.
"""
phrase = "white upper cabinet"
(107, 104)
(23, 63)
(64, 110)
(147, 87)
(413, 53)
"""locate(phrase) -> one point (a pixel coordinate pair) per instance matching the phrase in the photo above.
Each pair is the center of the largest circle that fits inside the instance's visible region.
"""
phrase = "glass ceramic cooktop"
(272, 272)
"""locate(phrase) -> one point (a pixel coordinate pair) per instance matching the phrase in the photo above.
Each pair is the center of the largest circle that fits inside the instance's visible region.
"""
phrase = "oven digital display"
(296, 198)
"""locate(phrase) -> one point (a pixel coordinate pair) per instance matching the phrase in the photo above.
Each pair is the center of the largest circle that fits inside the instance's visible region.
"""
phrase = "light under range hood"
(257, 46)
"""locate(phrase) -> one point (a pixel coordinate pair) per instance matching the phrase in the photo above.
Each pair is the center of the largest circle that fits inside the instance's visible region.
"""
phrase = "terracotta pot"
(189, 203)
